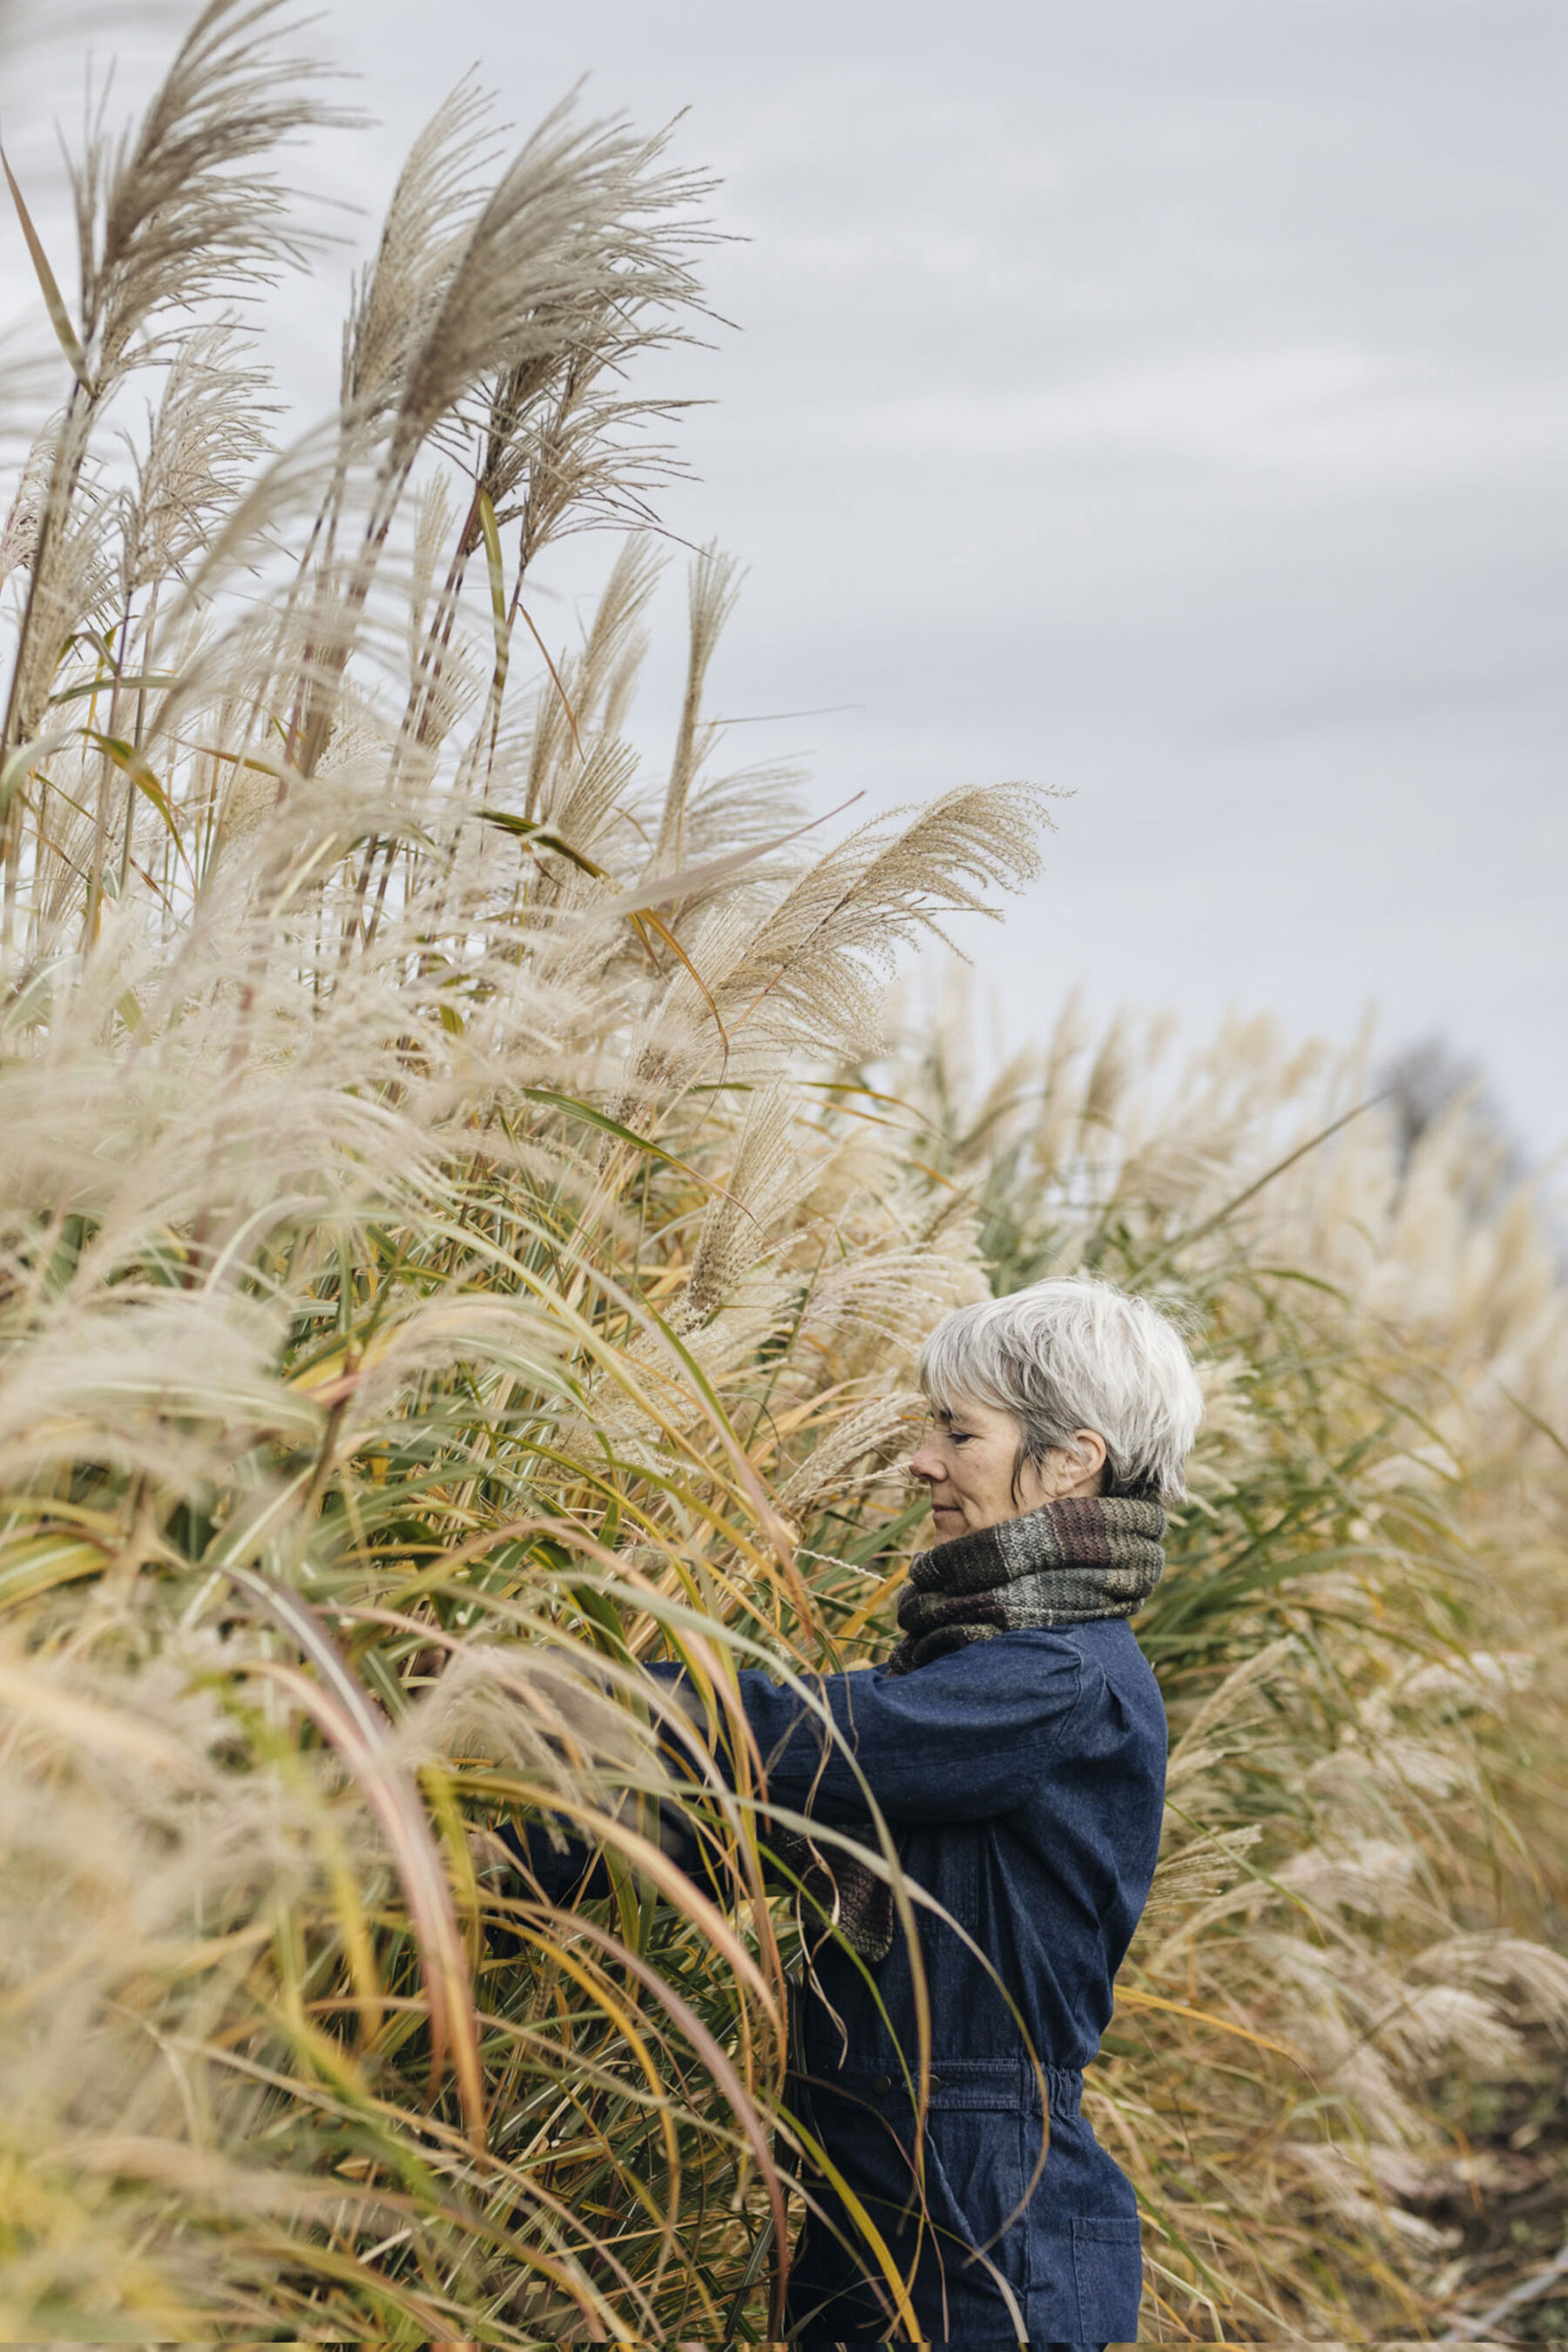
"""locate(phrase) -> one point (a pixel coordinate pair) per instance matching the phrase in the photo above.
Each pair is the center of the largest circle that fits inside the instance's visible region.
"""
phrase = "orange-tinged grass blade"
(233, 759)
(713, 2056)
(396, 1802)
(603, 1998)
(134, 768)
(555, 678)
(1206, 2017)
(646, 921)
(857, 1624)
(345, 1714)
(402, 2134)
(869, 2230)
(671, 1882)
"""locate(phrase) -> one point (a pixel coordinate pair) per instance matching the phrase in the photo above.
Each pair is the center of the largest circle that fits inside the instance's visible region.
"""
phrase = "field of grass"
(468, 1206)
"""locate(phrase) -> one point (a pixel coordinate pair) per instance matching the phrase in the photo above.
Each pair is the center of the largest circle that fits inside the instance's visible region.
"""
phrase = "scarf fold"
(1068, 1564)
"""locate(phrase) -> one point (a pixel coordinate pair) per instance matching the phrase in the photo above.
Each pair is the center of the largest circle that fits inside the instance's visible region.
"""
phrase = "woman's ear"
(1082, 1464)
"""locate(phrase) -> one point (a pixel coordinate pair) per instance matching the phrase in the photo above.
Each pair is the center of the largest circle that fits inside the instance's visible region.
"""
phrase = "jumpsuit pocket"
(976, 2174)
(1107, 2271)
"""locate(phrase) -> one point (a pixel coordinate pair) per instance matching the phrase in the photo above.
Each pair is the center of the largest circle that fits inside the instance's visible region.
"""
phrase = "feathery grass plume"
(586, 701)
(188, 208)
(168, 219)
(868, 1432)
(714, 591)
(438, 192)
(564, 229)
(209, 430)
(805, 971)
(738, 1219)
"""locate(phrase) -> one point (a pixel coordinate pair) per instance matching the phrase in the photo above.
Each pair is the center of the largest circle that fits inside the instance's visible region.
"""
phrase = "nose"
(926, 1463)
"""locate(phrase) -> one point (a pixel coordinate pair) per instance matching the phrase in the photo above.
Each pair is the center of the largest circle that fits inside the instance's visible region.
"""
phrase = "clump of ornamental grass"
(420, 1251)
(457, 1240)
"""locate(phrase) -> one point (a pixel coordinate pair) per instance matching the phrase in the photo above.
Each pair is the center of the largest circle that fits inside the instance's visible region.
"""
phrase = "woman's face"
(966, 1460)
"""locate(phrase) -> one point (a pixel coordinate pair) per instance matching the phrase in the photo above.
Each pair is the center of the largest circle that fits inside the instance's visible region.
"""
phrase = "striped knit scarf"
(1067, 1563)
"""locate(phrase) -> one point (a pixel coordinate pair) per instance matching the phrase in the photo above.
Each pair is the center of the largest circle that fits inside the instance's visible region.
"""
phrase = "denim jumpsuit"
(1023, 1779)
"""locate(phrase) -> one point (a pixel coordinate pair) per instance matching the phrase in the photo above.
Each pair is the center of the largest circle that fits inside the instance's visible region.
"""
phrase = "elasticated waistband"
(1008, 2085)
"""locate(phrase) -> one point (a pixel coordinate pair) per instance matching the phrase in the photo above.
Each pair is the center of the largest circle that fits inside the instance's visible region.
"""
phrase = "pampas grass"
(465, 1230)
(1351, 1921)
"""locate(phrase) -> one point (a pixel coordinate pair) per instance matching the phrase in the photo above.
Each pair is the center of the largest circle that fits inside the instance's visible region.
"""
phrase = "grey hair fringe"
(1075, 1353)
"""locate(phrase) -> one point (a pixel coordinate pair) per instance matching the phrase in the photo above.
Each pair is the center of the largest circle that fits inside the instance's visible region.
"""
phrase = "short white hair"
(1075, 1353)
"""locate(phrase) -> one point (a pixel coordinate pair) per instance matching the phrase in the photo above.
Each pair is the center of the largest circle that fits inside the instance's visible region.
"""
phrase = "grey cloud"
(1162, 399)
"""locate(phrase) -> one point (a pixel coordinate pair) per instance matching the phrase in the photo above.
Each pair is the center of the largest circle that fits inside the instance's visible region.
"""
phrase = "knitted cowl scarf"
(1068, 1564)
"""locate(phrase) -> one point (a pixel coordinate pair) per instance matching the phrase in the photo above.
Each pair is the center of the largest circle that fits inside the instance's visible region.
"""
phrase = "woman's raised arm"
(965, 1739)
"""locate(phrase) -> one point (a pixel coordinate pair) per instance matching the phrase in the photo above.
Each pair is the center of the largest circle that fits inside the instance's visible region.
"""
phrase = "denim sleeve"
(961, 1740)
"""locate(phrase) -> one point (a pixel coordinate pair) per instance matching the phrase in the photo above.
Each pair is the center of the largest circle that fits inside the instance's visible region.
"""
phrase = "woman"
(1014, 1746)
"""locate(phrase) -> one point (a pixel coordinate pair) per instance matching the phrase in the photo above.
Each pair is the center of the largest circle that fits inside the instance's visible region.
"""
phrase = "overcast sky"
(1161, 399)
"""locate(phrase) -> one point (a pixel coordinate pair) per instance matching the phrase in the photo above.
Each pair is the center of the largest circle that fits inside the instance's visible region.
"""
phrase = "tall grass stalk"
(464, 1234)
